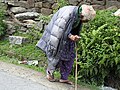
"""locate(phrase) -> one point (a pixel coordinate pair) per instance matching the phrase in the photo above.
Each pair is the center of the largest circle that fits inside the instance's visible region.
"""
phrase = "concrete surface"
(13, 77)
(11, 82)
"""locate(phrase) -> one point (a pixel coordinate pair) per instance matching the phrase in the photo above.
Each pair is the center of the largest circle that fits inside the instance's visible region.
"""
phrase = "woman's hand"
(77, 37)
(74, 37)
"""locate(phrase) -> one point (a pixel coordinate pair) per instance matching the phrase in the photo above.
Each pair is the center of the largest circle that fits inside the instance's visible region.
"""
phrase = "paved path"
(13, 77)
(11, 82)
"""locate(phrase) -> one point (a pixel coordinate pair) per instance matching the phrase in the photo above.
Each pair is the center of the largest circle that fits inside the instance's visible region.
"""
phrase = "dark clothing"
(68, 52)
(76, 31)
(65, 68)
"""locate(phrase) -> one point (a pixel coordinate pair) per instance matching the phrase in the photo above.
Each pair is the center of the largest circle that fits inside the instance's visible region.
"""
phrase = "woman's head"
(86, 13)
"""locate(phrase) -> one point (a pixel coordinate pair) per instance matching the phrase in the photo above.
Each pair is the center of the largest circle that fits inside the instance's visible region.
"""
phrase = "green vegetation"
(14, 60)
(45, 19)
(61, 3)
(23, 52)
(2, 17)
(99, 49)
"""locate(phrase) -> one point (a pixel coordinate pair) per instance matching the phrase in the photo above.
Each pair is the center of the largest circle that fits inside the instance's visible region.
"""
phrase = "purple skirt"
(68, 51)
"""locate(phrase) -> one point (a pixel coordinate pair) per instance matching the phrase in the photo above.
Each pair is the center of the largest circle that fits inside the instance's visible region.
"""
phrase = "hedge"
(99, 49)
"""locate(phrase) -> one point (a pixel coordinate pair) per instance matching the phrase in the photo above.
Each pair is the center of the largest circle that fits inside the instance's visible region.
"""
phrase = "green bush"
(61, 3)
(99, 49)
(2, 17)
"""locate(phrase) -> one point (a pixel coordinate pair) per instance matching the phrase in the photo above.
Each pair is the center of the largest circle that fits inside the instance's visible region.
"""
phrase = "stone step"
(27, 15)
(17, 40)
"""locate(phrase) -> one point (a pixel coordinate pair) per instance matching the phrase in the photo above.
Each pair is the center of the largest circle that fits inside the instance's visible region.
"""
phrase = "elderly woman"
(58, 40)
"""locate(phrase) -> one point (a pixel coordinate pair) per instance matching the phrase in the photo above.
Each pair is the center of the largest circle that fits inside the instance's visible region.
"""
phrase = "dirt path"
(34, 76)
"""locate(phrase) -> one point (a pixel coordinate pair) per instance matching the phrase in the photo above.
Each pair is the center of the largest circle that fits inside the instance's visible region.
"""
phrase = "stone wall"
(26, 13)
(46, 7)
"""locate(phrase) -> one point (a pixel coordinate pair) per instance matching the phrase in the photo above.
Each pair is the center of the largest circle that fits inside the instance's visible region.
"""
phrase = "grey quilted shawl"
(59, 26)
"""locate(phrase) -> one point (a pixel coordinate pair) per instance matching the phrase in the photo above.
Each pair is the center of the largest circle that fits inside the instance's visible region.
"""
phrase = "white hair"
(88, 12)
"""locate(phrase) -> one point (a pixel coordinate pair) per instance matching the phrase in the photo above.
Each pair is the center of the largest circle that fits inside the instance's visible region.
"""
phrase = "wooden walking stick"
(76, 68)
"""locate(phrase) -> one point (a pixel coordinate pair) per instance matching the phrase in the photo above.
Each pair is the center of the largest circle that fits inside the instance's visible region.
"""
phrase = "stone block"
(117, 13)
(27, 15)
(30, 3)
(38, 4)
(98, 7)
(47, 5)
(11, 27)
(23, 29)
(73, 2)
(80, 0)
(17, 9)
(96, 2)
(46, 11)
(55, 6)
(38, 10)
(20, 3)
(113, 3)
(2, 1)
(38, 0)
(40, 25)
(31, 10)
(29, 23)
(51, 1)
(17, 40)
(112, 0)
(112, 7)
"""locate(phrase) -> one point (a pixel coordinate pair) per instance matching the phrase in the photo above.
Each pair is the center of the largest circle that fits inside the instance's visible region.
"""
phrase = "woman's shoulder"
(66, 10)
(69, 8)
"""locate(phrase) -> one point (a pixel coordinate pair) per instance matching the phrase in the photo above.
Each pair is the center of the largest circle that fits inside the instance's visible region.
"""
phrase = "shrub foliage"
(2, 17)
(99, 48)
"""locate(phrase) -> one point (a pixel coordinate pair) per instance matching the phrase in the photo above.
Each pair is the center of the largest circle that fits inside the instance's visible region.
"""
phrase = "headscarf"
(86, 11)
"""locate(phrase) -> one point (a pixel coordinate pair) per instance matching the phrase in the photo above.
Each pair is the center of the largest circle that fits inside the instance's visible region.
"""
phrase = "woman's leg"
(51, 68)
(66, 68)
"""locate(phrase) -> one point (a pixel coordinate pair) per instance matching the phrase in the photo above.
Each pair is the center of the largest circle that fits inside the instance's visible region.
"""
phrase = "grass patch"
(15, 61)
(28, 50)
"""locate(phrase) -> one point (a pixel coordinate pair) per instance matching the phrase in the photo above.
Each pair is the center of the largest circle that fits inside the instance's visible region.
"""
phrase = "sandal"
(66, 81)
(51, 77)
